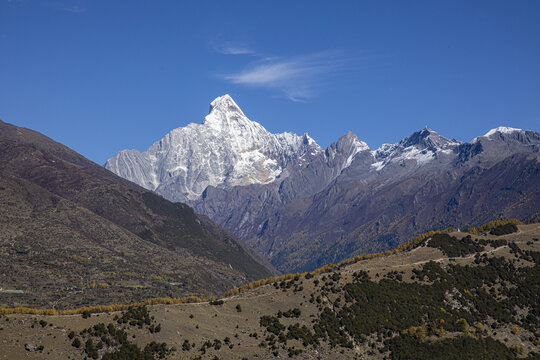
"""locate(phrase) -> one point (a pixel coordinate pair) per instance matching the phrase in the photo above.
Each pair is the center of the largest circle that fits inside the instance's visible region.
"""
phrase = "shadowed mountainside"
(350, 218)
(73, 233)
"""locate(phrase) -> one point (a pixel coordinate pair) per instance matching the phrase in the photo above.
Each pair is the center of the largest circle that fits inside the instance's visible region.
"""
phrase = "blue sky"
(104, 75)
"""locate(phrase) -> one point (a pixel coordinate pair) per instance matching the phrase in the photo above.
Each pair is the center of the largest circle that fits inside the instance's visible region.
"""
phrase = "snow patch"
(502, 130)
(378, 166)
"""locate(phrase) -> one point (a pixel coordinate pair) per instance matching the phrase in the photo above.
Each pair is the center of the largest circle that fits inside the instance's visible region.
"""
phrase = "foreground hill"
(73, 233)
(302, 206)
(453, 296)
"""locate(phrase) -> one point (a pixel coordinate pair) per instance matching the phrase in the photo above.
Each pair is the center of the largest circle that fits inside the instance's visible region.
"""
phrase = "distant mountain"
(73, 233)
(324, 206)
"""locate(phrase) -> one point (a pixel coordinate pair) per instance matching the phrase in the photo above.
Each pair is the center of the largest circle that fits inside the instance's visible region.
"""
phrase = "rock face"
(302, 207)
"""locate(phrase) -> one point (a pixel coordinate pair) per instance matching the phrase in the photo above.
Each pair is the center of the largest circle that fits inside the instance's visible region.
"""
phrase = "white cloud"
(297, 77)
(232, 50)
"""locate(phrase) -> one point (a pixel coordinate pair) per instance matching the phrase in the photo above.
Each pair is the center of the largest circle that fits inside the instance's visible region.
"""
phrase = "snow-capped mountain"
(509, 136)
(387, 196)
(226, 150)
(302, 206)
(421, 147)
(342, 153)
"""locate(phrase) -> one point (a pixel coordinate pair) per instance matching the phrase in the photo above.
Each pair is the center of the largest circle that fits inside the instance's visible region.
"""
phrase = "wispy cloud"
(232, 48)
(297, 77)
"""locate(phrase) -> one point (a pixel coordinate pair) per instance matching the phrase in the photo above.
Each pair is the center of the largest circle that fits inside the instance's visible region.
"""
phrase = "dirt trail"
(456, 258)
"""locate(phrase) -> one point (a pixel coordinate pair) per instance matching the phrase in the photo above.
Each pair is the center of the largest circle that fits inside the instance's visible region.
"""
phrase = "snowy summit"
(226, 150)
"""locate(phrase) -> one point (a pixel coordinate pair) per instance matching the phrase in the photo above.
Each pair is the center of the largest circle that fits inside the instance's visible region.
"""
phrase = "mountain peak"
(352, 140)
(345, 149)
(414, 147)
(225, 103)
(427, 138)
(422, 138)
(226, 150)
(226, 114)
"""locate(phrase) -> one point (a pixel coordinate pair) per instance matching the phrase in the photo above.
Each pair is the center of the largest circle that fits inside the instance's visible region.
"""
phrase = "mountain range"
(302, 206)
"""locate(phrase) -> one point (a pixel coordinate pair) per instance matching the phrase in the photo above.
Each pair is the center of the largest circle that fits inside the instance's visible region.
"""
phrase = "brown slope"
(104, 228)
(40, 141)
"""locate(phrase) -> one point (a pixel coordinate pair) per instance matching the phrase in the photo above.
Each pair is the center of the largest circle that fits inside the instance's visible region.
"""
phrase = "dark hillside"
(73, 224)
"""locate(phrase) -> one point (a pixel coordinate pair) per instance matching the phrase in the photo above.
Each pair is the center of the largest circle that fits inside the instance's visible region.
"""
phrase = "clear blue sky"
(104, 75)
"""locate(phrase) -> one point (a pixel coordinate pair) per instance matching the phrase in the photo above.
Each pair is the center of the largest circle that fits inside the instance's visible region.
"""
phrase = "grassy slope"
(202, 322)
